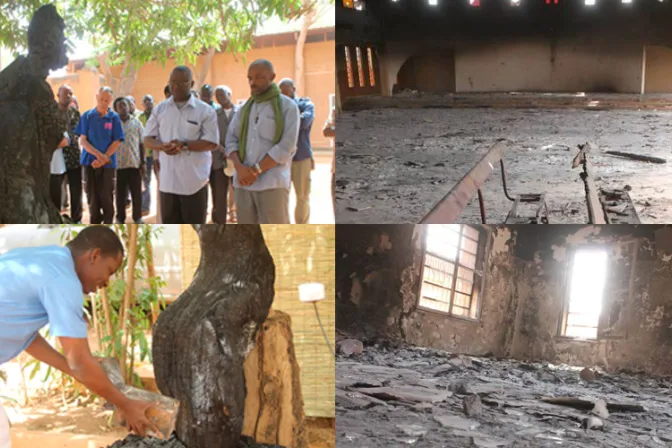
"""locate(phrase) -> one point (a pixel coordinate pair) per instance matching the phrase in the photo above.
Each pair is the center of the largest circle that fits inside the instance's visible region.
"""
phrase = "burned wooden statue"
(201, 341)
(32, 125)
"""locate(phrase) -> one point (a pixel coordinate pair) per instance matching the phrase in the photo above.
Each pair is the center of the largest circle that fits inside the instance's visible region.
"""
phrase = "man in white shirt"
(261, 142)
(183, 130)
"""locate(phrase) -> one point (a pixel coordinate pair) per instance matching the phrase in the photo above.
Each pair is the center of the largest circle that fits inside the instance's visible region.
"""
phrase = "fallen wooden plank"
(450, 207)
(588, 405)
(640, 157)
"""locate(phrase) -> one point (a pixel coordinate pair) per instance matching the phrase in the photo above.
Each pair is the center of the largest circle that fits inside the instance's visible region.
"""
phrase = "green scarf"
(273, 95)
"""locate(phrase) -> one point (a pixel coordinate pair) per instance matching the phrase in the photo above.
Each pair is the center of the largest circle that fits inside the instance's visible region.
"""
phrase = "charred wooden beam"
(450, 207)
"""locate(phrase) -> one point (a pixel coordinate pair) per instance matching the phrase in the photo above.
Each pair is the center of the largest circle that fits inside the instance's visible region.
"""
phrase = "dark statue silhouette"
(31, 124)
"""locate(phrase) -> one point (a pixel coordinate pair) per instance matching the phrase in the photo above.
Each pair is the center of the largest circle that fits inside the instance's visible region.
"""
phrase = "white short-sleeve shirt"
(187, 172)
(58, 160)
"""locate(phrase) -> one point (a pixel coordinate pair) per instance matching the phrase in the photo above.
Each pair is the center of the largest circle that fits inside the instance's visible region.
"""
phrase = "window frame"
(482, 262)
(567, 281)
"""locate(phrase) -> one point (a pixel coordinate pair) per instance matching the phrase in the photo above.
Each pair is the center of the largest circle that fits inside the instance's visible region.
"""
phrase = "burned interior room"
(488, 336)
(552, 111)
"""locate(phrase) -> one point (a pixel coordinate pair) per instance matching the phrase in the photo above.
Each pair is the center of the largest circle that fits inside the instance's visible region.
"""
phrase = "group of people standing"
(248, 155)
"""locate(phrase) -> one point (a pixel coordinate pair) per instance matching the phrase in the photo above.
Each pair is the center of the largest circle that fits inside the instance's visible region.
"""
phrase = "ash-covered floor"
(421, 393)
(393, 165)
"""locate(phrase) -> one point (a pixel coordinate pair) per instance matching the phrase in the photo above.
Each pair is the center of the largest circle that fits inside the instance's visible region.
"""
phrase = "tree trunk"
(123, 84)
(124, 319)
(201, 341)
(205, 69)
(274, 404)
(299, 60)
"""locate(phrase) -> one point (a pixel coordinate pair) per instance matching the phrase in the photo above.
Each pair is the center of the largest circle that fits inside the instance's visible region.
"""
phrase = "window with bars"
(372, 72)
(452, 270)
(359, 74)
(348, 63)
(360, 68)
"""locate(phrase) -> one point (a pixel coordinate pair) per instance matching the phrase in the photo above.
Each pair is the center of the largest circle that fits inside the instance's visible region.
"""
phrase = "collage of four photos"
(335, 223)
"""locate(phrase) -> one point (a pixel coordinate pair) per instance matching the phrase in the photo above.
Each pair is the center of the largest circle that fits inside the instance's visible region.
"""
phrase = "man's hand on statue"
(136, 419)
(246, 175)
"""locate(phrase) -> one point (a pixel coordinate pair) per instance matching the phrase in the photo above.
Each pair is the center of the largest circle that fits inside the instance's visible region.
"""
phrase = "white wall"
(535, 65)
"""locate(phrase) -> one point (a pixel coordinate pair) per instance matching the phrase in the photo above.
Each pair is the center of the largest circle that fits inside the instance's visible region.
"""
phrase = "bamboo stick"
(130, 277)
(108, 313)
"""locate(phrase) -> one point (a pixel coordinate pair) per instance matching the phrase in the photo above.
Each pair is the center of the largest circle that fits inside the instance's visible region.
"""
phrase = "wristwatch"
(258, 168)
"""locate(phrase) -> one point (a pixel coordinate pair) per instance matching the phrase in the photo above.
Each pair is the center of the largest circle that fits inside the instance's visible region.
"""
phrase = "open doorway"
(586, 289)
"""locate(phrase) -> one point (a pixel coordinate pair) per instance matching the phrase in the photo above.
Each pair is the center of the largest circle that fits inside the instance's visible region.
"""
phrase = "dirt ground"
(414, 397)
(394, 164)
(45, 423)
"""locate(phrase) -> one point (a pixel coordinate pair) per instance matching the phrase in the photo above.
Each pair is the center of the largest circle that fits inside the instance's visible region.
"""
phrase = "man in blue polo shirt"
(46, 285)
(100, 134)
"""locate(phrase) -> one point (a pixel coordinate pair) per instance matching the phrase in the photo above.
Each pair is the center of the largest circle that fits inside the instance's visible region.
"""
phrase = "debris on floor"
(389, 159)
(133, 441)
(412, 396)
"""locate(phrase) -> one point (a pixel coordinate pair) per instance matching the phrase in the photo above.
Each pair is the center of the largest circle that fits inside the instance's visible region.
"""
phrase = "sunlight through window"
(588, 277)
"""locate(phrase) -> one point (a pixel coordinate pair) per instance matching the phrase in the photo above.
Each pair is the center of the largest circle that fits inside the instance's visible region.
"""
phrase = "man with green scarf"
(261, 142)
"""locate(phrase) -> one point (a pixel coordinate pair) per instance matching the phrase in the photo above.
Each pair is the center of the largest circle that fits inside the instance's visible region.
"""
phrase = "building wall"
(85, 85)
(378, 280)
(658, 69)
(645, 318)
(532, 64)
(231, 70)
(544, 65)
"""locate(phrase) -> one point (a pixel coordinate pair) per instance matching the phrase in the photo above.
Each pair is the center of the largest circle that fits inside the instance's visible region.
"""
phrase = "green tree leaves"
(148, 30)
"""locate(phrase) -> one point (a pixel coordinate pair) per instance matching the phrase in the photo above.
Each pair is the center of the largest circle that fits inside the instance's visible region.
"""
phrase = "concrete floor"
(434, 383)
(394, 164)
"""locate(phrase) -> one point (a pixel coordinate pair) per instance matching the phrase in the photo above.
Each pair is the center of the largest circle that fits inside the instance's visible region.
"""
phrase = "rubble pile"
(410, 396)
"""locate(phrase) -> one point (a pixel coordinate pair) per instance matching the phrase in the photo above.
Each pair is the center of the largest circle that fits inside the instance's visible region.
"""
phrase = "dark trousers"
(179, 209)
(219, 185)
(147, 181)
(75, 185)
(129, 179)
(55, 189)
(100, 193)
